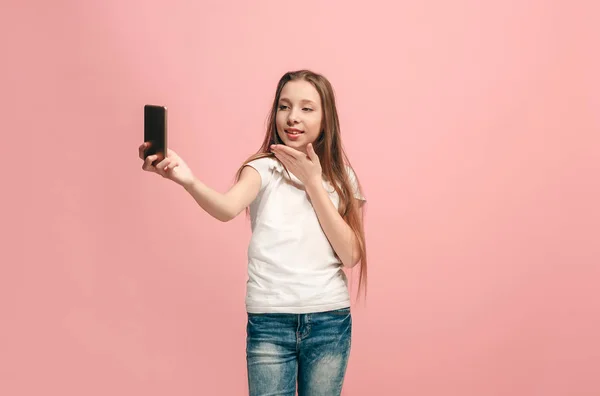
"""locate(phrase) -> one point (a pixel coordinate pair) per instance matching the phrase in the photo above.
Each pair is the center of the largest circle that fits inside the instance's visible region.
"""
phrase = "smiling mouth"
(293, 132)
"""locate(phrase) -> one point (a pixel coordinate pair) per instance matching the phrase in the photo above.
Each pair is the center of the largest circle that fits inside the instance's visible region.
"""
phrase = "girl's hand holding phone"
(172, 167)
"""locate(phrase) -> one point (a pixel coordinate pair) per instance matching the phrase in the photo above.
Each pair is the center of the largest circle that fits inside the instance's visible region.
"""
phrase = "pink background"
(474, 127)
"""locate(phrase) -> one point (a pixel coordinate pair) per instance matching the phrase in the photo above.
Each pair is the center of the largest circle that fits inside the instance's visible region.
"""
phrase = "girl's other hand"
(306, 167)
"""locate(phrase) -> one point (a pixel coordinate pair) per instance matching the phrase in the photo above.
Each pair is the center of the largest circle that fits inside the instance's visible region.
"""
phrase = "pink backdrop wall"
(474, 127)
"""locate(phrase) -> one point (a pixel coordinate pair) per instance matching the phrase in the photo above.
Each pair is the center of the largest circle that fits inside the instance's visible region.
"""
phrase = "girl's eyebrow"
(302, 101)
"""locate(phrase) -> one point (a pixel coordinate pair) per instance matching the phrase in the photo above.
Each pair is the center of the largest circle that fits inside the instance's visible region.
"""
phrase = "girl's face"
(299, 114)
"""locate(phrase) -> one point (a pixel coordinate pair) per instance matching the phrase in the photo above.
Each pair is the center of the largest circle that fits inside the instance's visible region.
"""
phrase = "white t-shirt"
(292, 267)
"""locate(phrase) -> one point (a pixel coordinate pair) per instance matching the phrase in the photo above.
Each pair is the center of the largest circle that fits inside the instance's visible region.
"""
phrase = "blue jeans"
(309, 351)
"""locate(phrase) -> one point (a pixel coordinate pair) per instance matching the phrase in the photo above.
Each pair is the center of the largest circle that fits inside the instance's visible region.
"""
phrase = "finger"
(172, 165)
(311, 153)
(142, 149)
(289, 151)
(163, 164)
(280, 157)
(281, 148)
(282, 152)
(147, 166)
(285, 159)
(288, 166)
(162, 172)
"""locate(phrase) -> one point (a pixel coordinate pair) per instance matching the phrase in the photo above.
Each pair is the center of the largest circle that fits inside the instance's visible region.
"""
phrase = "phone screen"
(155, 130)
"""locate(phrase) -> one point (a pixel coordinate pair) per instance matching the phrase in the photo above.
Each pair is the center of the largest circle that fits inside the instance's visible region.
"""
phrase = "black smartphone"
(155, 131)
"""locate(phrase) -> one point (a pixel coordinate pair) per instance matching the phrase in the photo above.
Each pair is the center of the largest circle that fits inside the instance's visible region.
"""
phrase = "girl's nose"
(292, 118)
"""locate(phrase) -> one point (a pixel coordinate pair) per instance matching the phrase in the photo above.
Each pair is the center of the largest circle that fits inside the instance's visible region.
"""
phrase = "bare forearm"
(340, 235)
(213, 202)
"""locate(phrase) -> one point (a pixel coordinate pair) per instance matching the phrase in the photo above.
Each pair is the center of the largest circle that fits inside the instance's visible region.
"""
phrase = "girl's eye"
(282, 107)
(307, 109)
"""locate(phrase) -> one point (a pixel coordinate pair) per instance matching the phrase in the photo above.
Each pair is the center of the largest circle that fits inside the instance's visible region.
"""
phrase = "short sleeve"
(355, 185)
(264, 167)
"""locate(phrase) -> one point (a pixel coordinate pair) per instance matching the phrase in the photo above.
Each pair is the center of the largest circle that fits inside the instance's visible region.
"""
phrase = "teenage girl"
(305, 207)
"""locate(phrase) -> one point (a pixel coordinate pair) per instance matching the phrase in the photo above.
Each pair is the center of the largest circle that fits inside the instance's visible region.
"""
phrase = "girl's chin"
(300, 146)
(298, 143)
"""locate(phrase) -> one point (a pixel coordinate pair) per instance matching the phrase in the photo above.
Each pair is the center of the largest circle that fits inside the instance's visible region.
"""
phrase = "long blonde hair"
(330, 151)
